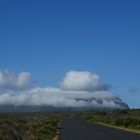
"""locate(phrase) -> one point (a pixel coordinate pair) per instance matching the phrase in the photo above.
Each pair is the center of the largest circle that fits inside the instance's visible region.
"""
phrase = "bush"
(128, 122)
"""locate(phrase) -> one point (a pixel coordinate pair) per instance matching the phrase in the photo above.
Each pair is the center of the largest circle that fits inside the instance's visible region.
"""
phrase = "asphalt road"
(76, 128)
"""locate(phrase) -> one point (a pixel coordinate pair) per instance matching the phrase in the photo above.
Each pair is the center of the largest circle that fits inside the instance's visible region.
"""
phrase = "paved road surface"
(76, 128)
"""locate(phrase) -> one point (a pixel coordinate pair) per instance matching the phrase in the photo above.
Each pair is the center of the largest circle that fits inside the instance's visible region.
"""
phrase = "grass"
(128, 120)
(30, 126)
(44, 126)
(56, 137)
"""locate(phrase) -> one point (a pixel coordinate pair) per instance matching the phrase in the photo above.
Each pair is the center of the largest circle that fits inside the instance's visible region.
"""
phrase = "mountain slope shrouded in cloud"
(78, 89)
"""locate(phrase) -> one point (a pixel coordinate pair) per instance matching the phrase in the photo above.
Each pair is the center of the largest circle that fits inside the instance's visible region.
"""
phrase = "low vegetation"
(29, 126)
(44, 126)
(127, 119)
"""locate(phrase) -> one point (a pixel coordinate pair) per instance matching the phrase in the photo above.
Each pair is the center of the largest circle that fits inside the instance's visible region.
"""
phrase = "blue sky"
(50, 38)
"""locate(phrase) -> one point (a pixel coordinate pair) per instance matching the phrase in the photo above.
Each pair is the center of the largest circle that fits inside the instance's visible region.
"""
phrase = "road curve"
(76, 128)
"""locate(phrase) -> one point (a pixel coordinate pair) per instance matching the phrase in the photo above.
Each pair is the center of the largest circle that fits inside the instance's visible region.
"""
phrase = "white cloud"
(82, 81)
(57, 98)
(77, 89)
(12, 81)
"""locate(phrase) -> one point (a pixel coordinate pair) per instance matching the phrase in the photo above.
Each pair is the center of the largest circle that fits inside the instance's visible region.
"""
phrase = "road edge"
(57, 133)
(117, 127)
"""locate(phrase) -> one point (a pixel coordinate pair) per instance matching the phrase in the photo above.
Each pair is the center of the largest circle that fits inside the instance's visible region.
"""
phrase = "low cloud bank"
(76, 90)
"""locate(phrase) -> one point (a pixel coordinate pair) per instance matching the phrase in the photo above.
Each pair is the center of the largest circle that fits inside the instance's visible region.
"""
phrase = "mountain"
(26, 108)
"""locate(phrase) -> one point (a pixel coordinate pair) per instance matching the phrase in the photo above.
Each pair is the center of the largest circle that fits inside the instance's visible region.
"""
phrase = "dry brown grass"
(56, 137)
